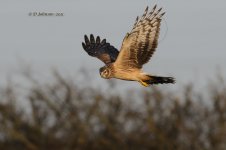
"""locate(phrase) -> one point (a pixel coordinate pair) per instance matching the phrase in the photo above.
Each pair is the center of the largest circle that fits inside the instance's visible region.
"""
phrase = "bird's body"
(137, 48)
(131, 74)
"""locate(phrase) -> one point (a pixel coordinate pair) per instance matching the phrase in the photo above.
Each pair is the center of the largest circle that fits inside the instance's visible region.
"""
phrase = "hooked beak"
(101, 74)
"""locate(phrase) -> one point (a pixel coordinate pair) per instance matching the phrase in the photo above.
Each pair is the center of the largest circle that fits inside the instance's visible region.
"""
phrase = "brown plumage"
(137, 48)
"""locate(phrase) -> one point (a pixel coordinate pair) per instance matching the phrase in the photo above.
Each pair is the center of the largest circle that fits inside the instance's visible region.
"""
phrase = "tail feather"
(159, 80)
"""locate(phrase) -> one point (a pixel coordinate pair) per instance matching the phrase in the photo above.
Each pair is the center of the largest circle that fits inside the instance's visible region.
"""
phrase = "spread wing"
(139, 45)
(100, 49)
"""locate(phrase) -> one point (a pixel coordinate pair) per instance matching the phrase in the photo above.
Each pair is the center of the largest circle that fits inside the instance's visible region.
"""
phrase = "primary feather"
(139, 45)
(100, 49)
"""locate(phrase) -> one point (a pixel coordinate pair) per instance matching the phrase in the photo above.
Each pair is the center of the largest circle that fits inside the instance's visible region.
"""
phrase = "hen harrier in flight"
(137, 48)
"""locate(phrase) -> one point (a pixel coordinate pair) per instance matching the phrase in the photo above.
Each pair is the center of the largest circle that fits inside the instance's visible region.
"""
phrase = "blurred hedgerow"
(62, 115)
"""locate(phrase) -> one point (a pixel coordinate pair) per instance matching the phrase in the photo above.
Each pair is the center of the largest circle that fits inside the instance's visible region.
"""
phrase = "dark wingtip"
(103, 42)
(86, 40)
(163, 14)
(92, 40)
(159, 9)
(146, 9)
(85, 36)
(98, 40)
(84, 45)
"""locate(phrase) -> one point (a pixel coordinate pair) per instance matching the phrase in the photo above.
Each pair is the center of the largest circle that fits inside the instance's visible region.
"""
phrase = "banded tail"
(157, 80)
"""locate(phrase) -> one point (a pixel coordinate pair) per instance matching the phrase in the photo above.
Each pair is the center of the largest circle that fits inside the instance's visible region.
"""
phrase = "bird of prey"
(137, 48)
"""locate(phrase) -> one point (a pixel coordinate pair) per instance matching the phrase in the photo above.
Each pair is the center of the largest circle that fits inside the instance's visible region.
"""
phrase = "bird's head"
(105, 72)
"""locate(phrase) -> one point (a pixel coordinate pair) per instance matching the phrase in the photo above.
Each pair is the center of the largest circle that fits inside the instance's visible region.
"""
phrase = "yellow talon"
(143, 83)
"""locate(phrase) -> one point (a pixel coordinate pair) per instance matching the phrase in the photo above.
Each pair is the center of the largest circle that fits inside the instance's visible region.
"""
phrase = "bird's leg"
(144, 83)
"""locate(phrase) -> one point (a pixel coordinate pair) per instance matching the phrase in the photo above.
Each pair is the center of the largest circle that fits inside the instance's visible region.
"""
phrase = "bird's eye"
(106, 72)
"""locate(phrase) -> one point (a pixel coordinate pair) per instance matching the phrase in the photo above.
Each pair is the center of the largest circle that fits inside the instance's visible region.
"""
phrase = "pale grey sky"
(191, 48)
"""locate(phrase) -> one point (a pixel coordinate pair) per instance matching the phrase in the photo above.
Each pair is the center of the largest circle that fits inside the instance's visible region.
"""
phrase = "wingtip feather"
(92, 40)
(155, 7)
(103, 42)
(86, 40)
(146, 10)
(98, 40)
(84, 45)
(162, 14)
